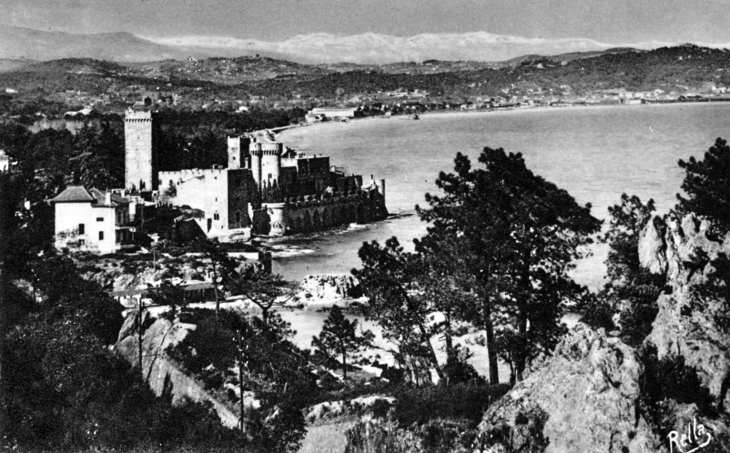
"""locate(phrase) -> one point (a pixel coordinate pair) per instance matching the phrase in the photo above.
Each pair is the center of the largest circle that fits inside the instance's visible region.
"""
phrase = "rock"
(583, 399)
(160, 372)
(357, 406)
(686, 418)
(685, 324)
(328, 289)
(652, 247)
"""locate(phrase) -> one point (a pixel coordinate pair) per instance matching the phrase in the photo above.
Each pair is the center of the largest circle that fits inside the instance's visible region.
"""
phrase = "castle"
(266, 189)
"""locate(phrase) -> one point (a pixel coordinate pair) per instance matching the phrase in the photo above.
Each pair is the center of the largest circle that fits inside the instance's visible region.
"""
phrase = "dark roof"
(73, 194)
(79, 194)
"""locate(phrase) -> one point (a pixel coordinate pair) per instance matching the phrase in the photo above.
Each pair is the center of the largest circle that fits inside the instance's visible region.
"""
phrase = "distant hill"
(685, 69)
(366, 49)
(25, 43)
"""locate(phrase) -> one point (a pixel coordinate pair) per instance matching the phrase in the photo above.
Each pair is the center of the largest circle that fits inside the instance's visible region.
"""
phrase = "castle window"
(216, 216)
(82, 228)
(100, 219)
(101, 235)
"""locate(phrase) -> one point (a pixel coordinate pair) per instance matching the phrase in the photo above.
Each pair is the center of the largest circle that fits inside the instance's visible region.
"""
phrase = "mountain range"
(23, 43)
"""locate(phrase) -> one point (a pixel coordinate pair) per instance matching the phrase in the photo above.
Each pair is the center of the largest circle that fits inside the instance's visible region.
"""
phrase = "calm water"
(595, 153)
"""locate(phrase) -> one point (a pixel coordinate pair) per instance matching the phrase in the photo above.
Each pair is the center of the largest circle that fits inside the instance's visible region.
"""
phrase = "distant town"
(40, 93)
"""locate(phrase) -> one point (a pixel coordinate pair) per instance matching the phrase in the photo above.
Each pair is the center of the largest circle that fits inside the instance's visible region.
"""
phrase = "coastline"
(437, 114)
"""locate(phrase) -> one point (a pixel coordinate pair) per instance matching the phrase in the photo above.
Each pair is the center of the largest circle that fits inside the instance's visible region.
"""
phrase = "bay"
(595, 153)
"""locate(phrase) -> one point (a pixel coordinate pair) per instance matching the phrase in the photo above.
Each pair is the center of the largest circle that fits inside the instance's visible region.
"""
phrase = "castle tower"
(140, 150)
(265, 162)
(238, 152)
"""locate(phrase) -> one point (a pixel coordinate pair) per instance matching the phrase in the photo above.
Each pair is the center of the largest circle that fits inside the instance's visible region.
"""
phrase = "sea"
(595, 153)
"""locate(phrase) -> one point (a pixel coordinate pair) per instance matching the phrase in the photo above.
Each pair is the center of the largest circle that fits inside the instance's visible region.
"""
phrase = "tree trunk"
(491, 352)
(431, 353)
(523, 310)
(215, 291)
(448, 341)
(344, 364)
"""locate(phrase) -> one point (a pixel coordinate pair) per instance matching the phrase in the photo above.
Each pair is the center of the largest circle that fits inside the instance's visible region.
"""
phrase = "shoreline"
(436, 114)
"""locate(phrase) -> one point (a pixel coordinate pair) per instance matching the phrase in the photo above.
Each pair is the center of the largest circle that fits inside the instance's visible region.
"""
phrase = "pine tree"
(339, 335)
(707, 185)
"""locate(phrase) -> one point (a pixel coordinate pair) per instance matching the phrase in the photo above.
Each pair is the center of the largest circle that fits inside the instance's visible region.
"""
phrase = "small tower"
(265, 160)
(140, 150)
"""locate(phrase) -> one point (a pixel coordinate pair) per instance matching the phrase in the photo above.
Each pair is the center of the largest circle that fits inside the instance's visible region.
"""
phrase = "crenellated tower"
(140, 150)
(265, 162)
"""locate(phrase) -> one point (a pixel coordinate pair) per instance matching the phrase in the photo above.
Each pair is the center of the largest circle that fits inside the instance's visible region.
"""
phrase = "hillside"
(686, 69)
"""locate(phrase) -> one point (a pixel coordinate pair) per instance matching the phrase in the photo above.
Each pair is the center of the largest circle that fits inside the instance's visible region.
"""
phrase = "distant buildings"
(334, 113)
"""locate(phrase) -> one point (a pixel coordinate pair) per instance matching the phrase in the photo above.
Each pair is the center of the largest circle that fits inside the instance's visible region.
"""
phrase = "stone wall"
(311, 214)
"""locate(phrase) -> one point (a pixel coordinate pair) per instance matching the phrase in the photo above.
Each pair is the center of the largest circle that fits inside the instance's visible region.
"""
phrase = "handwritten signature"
(693, 439)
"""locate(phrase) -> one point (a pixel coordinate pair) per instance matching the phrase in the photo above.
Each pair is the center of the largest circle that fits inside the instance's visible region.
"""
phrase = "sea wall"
(314, 213)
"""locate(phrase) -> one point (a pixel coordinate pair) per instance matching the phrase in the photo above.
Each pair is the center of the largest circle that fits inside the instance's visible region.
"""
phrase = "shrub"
(462, 401)
(670, 380)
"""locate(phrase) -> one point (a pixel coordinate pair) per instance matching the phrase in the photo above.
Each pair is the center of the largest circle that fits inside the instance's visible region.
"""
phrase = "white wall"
(70, 215)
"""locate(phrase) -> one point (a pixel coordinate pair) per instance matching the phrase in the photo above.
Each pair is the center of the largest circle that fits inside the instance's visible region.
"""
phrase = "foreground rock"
(686, 325)
(583, 399)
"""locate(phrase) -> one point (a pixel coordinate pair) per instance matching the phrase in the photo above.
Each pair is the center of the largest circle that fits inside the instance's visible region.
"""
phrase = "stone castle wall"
(311, 214)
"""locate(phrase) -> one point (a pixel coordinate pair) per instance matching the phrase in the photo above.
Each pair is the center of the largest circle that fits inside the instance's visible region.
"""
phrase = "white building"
(91, 220)
(334, 113)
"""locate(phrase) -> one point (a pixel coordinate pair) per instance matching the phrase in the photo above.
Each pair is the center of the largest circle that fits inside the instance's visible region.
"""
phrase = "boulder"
(582, 399)
(328, 289)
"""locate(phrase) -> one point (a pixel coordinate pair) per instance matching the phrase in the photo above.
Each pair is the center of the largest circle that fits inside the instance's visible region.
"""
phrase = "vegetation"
(707, 185)
(273, 369)
(632, 290)
(339, 337)
(62, 388)
(497, 255)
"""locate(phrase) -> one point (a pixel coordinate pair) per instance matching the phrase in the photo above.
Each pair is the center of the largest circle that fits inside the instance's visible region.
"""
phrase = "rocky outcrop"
(160, 372)
(582, 399)
(328, 289)
(686, 325)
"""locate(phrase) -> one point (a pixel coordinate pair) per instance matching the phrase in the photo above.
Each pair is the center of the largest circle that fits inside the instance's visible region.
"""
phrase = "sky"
(609, 21)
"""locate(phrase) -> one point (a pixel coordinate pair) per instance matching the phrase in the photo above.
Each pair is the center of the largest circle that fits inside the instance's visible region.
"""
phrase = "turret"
(265, 161)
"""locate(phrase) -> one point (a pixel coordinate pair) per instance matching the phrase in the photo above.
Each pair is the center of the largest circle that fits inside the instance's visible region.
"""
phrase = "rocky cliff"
(686, 325)
(582, 399)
